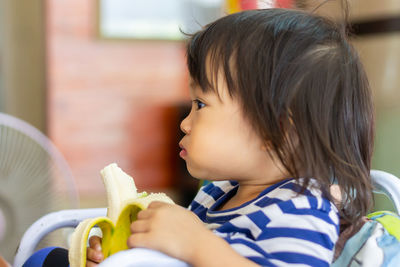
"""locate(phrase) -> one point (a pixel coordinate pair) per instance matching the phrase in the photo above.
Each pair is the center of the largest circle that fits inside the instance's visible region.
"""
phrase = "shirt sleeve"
(300, 232)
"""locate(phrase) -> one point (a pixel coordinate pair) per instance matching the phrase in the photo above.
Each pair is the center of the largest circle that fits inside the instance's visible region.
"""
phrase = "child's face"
(220, 143)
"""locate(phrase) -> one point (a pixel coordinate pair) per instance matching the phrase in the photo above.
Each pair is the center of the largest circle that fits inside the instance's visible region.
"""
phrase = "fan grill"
(34, 180)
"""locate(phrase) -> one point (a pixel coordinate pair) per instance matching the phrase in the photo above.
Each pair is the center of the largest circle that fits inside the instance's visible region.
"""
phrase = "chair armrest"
(49, 223)
(388, 184)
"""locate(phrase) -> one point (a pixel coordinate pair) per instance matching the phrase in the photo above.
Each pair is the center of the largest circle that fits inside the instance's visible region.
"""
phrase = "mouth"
(183, 152)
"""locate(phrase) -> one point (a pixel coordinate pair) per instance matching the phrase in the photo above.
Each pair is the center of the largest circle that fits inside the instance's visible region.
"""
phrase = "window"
(155, 19)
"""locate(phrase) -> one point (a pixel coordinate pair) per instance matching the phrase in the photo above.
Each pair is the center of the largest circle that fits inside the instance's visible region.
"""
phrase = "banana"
(124, 202)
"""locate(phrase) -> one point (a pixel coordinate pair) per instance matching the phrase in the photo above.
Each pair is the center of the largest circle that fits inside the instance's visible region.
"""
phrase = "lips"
(183, 152)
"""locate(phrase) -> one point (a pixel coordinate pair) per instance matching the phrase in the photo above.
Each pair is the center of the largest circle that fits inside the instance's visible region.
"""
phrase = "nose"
(185, 124)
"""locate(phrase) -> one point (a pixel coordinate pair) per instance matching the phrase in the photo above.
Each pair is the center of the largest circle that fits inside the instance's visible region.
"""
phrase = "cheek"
(210, 154)
(202, 143)
(210, 139)
(205, 147)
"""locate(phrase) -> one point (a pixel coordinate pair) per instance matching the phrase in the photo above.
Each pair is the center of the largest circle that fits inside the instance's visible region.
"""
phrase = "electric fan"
(34, 180)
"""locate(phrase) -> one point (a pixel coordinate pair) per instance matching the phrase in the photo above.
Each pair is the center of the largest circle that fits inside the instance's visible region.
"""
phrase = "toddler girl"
(281, 110)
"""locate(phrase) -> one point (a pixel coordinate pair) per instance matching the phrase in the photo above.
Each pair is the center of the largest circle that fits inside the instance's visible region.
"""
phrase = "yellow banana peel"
(124, 202)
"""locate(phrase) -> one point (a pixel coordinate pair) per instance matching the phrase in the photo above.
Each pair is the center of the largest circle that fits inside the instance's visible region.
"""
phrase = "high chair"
(384, 182)
(374, 240)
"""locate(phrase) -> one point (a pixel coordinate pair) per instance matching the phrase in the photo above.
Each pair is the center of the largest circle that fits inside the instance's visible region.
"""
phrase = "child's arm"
(179, 233)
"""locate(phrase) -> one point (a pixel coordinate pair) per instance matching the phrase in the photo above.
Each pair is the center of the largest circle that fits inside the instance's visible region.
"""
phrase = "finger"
(138, 240)
(140, 226)
(156, 204)
(144, 214)
(91, 264)
(94, 255)
(95, 242)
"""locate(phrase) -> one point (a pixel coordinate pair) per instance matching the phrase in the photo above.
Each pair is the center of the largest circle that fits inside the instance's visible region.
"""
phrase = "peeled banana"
(124, 202)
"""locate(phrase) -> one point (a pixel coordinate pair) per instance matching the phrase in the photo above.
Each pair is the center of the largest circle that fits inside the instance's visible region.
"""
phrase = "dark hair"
(303, 89)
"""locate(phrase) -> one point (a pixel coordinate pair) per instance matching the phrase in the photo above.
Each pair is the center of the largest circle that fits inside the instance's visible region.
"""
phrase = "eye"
(198, 104)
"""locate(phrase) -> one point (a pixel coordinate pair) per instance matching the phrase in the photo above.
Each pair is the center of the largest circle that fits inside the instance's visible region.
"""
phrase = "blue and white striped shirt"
(280, 227)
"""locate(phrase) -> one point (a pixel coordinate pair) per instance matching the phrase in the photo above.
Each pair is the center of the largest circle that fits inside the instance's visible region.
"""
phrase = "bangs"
(210, 52)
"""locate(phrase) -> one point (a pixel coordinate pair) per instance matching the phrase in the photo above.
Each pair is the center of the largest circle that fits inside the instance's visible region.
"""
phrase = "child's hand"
(170, 229)
(179, 233)
(94, 254)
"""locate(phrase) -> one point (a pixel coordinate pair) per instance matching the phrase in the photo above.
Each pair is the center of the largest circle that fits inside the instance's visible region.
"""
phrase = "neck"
(253, 184)
(245, 193)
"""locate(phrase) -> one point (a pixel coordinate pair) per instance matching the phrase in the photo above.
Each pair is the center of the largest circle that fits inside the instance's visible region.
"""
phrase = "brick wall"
(111, 101)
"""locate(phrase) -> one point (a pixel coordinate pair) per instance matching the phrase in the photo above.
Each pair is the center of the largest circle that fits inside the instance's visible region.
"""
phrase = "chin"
(196, 172)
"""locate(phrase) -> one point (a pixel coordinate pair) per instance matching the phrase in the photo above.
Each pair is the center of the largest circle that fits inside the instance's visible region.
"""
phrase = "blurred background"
(106, 81)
